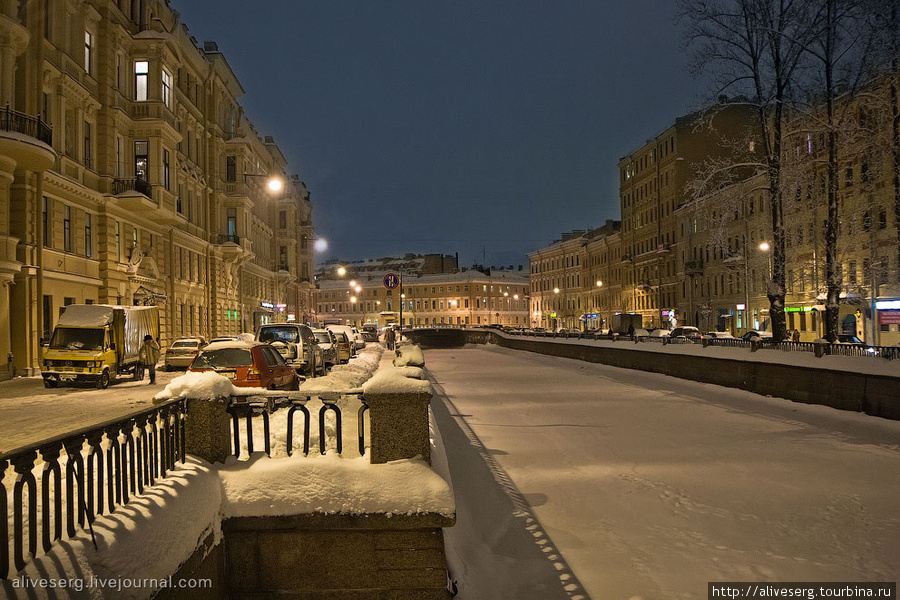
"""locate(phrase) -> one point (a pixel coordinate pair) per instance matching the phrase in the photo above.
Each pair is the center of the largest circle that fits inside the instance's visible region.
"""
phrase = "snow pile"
(149, 538)
(399, 380)
(197, 385)
(331, 484)
(409, 355)
(346, 377)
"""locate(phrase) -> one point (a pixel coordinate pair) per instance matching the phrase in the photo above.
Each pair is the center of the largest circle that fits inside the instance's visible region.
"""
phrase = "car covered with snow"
(297, 345)
(247, 364)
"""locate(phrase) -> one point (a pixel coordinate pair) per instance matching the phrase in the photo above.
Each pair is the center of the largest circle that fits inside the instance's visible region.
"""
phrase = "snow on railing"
(105, 466)
(256, 410)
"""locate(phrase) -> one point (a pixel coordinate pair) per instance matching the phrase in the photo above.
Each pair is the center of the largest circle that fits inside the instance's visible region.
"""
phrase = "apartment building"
(576, 282)
(706, 259)
(654, 181)
(129, 174)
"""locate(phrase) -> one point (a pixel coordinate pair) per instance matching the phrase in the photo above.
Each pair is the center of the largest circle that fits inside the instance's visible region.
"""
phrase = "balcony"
(155, 111)
(135, 184)
(26, 139)
(626, 258)
(224, 238)
(663, 248)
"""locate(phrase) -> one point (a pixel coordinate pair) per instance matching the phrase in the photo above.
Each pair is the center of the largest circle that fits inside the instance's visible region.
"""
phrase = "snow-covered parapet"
(409, 355)
(398, 400)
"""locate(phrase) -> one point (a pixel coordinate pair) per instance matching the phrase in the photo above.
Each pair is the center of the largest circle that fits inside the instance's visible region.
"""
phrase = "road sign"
(391, 281)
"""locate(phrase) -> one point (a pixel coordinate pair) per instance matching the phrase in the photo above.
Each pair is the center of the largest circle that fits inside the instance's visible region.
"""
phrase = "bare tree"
(753, 48)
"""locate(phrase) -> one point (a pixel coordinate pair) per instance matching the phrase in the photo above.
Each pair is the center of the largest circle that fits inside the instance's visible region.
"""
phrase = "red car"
(247, 364)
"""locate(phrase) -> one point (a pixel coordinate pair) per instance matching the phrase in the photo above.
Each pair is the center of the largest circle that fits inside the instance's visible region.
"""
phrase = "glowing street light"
(320, 245)
(764, 246)
(341, 271)
(599, 283)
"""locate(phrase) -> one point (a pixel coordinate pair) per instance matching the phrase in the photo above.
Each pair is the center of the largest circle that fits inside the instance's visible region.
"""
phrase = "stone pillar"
(207, 429)
(398, 413)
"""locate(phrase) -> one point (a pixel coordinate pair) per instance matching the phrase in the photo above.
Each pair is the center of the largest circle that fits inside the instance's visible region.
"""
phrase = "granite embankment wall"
(877, 395)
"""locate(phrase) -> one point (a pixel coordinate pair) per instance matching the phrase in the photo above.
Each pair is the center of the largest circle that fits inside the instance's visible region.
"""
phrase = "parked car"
(687, 331)
(328, 344)
(247, 364)
(749, 335)
(182, 351)
(659, 333)
(348, 331)
(223, 338)
(369, 335)
(345, 348)
(358, 340)
(297, 345)
(848, 338)
(718, 334)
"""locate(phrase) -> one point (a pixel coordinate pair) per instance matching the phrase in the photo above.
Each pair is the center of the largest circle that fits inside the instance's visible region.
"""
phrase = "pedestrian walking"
(149, 356)
(389, 337)
(795, 337)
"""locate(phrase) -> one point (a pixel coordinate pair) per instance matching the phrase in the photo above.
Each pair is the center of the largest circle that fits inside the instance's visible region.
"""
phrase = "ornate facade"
(129, 174)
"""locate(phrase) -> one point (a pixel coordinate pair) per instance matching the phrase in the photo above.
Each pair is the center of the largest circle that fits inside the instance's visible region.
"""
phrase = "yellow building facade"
(129, 174)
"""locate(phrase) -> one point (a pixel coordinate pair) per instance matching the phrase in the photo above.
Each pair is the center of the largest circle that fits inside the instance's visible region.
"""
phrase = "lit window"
(141, 73)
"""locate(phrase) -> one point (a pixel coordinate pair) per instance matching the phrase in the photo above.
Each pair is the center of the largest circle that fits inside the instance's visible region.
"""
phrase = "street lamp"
(273, 184)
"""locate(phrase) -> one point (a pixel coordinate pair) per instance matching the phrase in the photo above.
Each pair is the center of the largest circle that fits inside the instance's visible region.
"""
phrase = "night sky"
(481, 127)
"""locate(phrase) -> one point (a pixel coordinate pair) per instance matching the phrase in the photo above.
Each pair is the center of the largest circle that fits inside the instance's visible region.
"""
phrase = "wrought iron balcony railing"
(19, 122)
(135, 184)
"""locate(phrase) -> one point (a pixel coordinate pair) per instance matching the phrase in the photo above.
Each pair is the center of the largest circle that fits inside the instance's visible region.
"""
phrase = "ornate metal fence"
(246, 409)
(105, 466)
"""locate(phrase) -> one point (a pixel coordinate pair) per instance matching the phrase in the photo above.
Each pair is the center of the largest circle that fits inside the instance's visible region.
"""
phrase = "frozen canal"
(647, 487)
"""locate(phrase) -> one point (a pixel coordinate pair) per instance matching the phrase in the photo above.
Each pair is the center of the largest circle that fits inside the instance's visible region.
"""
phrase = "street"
(648, 486)
(29, 412)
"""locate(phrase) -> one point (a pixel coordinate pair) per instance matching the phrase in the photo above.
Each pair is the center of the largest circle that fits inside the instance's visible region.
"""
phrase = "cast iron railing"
(105, 465)
(19, 122)
(247, 408)
(135, 184)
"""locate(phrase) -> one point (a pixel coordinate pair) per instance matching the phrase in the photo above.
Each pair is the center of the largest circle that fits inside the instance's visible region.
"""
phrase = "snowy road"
(29, 412)
(651, 486)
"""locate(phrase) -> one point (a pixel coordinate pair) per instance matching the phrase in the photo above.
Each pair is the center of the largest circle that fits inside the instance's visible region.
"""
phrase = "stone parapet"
(398, 400)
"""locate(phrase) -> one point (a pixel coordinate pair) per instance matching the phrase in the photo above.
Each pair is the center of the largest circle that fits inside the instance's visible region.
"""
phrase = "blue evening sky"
(483, 127)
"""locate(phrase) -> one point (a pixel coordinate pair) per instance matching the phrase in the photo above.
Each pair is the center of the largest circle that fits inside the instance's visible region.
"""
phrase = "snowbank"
(403, 380)
(197, 385)
(149, 538)
(331, 484)
(409, 355)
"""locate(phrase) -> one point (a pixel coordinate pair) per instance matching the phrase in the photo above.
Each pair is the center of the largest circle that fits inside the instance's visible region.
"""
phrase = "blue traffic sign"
(391, 281)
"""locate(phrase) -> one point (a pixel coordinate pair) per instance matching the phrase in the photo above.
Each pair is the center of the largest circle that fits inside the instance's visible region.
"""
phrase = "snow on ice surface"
(331, 484)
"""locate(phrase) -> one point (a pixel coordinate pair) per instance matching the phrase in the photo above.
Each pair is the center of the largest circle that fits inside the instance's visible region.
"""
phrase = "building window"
(88, 48)
(230, 168)
(142, 160)
(118, 241)
(232, 225)
(88, 155)
(67, 228)
(141, 75)
(45, 220)
(282, 219)
(167, 88)
(166, 169)
(88, 235)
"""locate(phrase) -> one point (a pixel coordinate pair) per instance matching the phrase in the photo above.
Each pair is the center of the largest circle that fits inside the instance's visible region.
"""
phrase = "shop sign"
(889, 317)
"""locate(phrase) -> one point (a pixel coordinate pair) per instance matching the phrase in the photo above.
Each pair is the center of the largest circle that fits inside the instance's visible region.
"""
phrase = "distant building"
(355, 293)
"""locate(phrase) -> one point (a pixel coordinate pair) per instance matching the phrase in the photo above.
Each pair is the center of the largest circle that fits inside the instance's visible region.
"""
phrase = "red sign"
(889, 317)
(391, 281)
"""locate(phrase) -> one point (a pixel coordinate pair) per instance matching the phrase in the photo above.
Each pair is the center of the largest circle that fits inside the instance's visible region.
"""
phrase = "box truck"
(97, 342)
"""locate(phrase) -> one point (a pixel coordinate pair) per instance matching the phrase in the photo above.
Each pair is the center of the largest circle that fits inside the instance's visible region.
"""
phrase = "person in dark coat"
(631, 331)
(149, 356)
